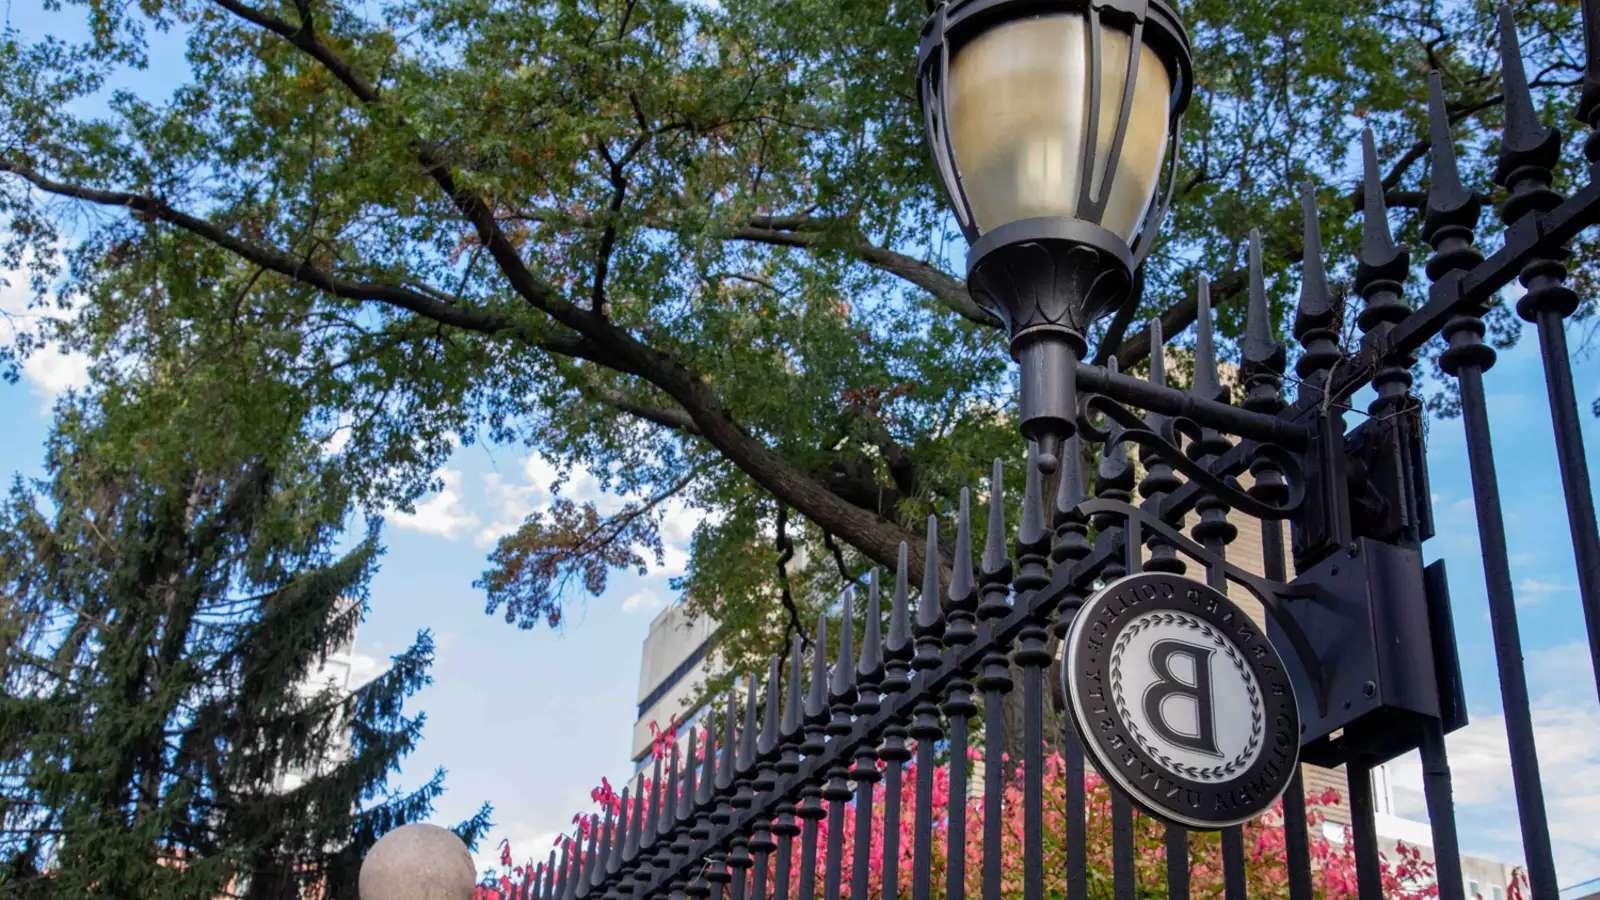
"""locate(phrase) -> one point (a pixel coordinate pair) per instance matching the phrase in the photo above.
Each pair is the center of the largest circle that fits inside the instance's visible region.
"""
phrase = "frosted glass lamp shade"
(1019, 114)
(1055, 110)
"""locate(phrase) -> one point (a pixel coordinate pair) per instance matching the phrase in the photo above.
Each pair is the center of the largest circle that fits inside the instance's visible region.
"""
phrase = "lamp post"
(1050, 122)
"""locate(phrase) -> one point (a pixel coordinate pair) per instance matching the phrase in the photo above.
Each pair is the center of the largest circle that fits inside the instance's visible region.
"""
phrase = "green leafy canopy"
(694, 248)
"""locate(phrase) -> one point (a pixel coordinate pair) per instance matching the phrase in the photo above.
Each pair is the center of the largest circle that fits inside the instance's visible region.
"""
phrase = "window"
(1499, 892)
(1474, 890)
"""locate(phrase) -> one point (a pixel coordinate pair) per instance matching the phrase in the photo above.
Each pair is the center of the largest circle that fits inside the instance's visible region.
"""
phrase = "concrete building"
(676, 660)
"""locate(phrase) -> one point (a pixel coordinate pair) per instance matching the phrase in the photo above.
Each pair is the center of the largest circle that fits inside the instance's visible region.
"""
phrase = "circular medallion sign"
(1180, 699)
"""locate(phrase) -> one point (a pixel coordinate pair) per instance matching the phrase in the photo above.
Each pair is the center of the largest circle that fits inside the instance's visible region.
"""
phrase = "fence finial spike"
(1525, 141)
(1206, 383)
(1070, 490)
(870, 663)
(961, 581)
(769, 720)
(635, 821)
(730, 742)
(1260, 347)
(844, 670)
(618, 846)
(1032, 530)
(995, 558)
(561, 873)
(598, 873)
(1377, 241)
(1449, 202)
(900, 608)
(1315, 310)
(747, 736)
(653, 817)
(708, 758)
(691, 758)
(928, 605)
(669, 809)
(817, 696)
(791, 694)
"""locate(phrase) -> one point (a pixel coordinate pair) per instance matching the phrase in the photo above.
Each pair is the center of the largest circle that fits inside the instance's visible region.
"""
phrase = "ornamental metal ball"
(418, 862)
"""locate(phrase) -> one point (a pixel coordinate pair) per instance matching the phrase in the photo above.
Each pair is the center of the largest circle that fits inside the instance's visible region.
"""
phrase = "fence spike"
(597, 875)
(817, 696)
(729, 736)
(1449, 202)
(558, 886)
(961, 581)
(769, 720)
(869, 668)
(1206, 383)
(747, 738)
(575, 870)
(1526, 141)
(791, 698)
(929, 617)
(591, 862)
(995, 558)
(1378, 252)
(1262, 350)
(708, 759)
(843, 680)
(1070, 489)
(691, 758)
(618, 846)
(669, 809)
(1031, 531)
(635, 821)
(1316, 321)
(652, 817)
(899, 645)
(1315, 310)
(961, 623)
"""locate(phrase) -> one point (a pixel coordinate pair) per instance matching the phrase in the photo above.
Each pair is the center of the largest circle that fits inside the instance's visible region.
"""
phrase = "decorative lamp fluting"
(1054, 126)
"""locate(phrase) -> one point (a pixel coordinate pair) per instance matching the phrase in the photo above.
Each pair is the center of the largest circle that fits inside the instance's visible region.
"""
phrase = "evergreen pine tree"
(170, 599)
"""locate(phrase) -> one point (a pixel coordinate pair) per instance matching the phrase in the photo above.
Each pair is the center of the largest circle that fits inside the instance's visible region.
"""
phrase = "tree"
(695, 248)
(172, 594)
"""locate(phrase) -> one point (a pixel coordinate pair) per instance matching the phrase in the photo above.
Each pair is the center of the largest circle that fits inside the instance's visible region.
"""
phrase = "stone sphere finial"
(418, 862)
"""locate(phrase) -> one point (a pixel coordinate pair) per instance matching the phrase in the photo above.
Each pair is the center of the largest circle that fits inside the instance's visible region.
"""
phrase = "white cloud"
(1564, 724)
(53, 371)
(1530, 591)
(643, 600)
(515, 499)
(442, 515)
(49, 369)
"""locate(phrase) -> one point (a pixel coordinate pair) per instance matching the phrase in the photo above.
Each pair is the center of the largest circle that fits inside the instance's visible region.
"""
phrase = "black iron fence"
(1363, 629)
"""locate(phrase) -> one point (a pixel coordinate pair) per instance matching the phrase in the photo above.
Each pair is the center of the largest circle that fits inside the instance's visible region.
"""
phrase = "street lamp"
(1050, 122)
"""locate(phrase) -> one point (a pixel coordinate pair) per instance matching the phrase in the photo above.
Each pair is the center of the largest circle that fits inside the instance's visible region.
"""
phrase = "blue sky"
(531, 720)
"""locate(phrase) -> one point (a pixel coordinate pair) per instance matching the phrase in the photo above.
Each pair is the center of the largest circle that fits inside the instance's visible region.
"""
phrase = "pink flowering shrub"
(1406, 873)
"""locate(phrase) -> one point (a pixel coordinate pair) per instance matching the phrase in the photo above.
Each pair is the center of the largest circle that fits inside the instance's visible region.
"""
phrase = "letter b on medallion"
(1181, 709)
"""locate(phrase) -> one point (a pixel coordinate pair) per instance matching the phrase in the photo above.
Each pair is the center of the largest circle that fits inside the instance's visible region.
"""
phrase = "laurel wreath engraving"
(1222, 771)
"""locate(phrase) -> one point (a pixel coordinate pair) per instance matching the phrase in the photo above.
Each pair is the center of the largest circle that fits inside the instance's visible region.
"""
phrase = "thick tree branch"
(428, 304)
(805, 233)
(617, 349)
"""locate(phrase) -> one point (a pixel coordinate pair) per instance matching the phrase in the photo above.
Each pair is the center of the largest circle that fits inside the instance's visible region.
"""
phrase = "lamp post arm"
(1167, 401)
